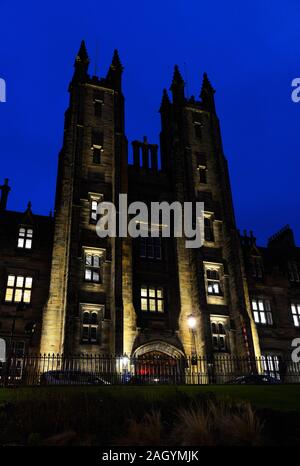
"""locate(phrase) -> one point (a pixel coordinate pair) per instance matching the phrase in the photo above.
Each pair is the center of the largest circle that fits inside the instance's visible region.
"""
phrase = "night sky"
(250, 51)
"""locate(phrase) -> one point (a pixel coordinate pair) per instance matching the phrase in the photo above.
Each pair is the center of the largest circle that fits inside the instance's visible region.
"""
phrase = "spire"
(116, 62)
(165, 101)
(177, 86)
(207, 93)
(114, 75)
(81, 63)
(82, 53)
(4, 189)
(29, 207)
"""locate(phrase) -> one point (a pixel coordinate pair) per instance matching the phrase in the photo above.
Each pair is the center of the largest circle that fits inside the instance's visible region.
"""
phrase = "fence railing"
(106, 370)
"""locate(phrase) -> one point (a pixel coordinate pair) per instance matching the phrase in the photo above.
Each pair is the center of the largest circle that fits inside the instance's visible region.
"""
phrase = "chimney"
(4, 195)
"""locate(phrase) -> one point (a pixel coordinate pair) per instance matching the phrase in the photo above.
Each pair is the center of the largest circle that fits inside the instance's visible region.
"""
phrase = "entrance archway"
(158, 362)
(160, 347)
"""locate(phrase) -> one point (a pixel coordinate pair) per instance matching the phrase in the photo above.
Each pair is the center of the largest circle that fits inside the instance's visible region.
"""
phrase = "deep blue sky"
(249, 49)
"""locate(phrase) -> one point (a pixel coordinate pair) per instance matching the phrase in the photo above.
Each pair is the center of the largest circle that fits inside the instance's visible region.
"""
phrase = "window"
(18, 289)
(150, 248)
(202, 167)
(202, 175)
(218, 336)
(197, 119)
(92, 268)
(98, 108)
(208, 229)
(198, 130)
(96, 155)
(152, 299)
(270, 365)
(257, 267)
(94, 207)
(97, 139)
(295, 308)
(201, 159)
(18, 348)
(294, 272)
(25, 238)
(262, 311)
(90, 327)
(213, 281)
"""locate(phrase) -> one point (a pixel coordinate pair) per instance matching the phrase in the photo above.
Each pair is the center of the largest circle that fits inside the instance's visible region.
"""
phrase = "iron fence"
(108, 370)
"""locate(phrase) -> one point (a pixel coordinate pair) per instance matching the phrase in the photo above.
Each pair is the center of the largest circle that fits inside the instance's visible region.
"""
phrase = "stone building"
(65, 289)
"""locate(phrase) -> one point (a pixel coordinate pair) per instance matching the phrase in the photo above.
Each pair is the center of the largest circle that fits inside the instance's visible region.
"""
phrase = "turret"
(81, 64)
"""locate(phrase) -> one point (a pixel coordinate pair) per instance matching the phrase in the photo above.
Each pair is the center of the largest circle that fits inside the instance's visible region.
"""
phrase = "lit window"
(218, 336)
(25, 238)
(90, 327)
(94, 207)
(208, 229)
(152, 299)
(262, 311)
(92, 268)
(257, 267)
(150, 247)
(18, 289)
(295, 308)
(270, 365)
(294, 272)
(213, 282)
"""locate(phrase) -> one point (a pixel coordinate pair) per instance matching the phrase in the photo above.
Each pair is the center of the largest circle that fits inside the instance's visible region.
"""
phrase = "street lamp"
(192, 322)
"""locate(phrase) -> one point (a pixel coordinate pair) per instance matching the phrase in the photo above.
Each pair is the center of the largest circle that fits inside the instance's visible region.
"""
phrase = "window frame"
(294, 272)
(296, 314)
(90, 326)
(213, 281)
(209, 218)
(146, 243)
(261, 308)
(152, 299)
(94, 269)
(219, 336)
(26, 238)
(18, 290)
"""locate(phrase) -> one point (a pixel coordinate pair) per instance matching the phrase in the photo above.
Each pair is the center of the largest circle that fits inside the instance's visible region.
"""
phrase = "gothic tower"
(85, 294)
(212, 279)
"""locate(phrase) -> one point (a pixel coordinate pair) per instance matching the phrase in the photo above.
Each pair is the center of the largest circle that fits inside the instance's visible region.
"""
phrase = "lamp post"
(192, 322)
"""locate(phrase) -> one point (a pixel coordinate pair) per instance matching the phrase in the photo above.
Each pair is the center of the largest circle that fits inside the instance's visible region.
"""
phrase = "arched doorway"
(157, 346)
(158, 362)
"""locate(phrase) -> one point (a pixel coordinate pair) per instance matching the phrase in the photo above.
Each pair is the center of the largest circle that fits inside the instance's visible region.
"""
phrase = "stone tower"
(85, 293)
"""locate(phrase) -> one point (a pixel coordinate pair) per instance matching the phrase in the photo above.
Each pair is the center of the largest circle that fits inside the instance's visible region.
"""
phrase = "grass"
(90, 415)
(278, 397)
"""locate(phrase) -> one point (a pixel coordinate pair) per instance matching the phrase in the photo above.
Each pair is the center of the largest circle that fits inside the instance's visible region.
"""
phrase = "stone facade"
(137, 296)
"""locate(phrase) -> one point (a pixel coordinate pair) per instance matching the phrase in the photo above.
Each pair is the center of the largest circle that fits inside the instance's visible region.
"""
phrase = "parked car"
(255, 379)
(72, 378)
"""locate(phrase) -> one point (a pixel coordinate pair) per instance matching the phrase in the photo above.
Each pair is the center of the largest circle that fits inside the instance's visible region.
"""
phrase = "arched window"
(90, 327)
(213, 282)
(218, 336)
